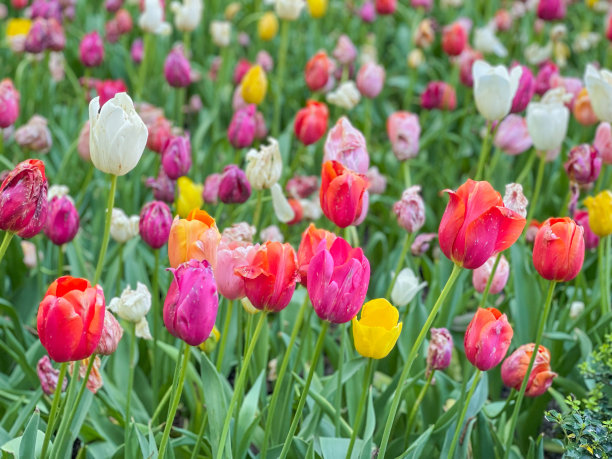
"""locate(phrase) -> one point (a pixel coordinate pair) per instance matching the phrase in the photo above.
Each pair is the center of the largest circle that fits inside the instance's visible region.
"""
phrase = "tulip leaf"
(415, 450)
(216, 403)
(332, 448)
(29, 446)
(248, 416)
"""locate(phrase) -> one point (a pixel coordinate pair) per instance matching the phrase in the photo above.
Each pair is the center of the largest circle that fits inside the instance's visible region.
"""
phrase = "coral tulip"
(311, 238)
(558, 249)
(514, 368)
(311, 122)
(317, 71)
(487, 338)
(342, 193)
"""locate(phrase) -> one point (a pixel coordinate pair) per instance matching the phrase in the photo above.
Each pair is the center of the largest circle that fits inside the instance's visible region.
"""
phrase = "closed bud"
(583, 110)
(404, 130)
(234, 187)
(210, 193)
(345, 51)
(289, 10)
(376, 333)
(176, 157)
(480, 276)
(241, 131)
(370, 79)
(343, 194)
(558, 249)
(494, 89)
(318, 70)
(111, 335)
(91, 49)
(551, 10)
(317, 8)
(547, 122)
(386, 6)
(177, 69)
(9, 103)
(454, 39)
(62, 220)
(267, 27)
(440, 349)
(155, 222)
(410, 210)
(406, 287)
(311, 122)
(487, 338)
(254, 85)
(600, 213)
(439, 95)
(591, 240)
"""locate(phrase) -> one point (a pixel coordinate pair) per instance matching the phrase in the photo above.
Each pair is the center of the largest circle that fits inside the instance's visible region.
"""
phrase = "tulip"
(370, 79)
(558, 250)
(440, 349)
(123, 228)
(317, 71)
(117, 135)
(107, 89)
(30, 257)
(264, 166)
(494, 89)
(342, 193)
(454, 39)
(264, 59)
(38, 37)
(466, 61)
(345, 51)
(271, 233)
(91, 49)
(270, 278)
(424, 35)
(311, 239)
(155, 222)
(163, 187)
(345, 96)
(404, 130)
(600, 213)
(576, 309)
(406, 287)
(242, 67)
(410, 210)
(267, 27)
(439, 95)
(9, 103)
(241, 131)
(515, 200)
(187, 15)
(111, 335)
(583, 110)
(599, 87)
(338, 280)
(603, 142)
(591, 240)
(133, 306)
(34, 135)
(210, 193)
(62, 220)
(160, 131)
(525, 91)
(347, 145)
(512, 135)
(189, 196)
(124, 21)
(480, 276)
(544, 77)
(476, 225)
(232, 254)
(487, 338)
(311, 122)
(234, 188)
(94, 380)
(242, 232)
(137, 50)
(254, 85)
(190, 308)
(152, 18)
(386, 6)
(23, 199)
(176, 157)
(367, 12)
(515, 367)
(282, 209)
(487, 42)
(302, 186)
(48, 376)
(289, 10)
(572, 87)
(177, 69)
(317, 8)
(421, 244)
(551, 10)
(193, 238)
(547, 123)
(70, 319)
(583, 164)
(376, 333)
(377, 181)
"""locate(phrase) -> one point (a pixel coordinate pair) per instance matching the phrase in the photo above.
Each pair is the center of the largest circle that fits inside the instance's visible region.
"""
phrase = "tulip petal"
(450, 225)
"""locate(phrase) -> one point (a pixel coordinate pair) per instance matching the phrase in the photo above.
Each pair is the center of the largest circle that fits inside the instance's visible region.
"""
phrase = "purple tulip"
(62, 220)
(176, 157)
(234, 187)
(241, 131)
(91, 50)
(155, 223)
(177, 69)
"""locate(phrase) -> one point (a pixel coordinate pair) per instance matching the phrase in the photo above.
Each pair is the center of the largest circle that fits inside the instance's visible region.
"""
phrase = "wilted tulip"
(311, 122)
(347, 145)
(591, 240)
(123, 228)
(515, 200)
(234, 188)
(48, 376)
(62, 220)
(487, 338)
(480, 276)
(302, 186)
(155, 222)
(34, 135)
(406, 287)
(439, 95)
(345, 96)
(264, 166)
(91, 49)
(176, 157)
(193, 238)
(177, 69)
(583, 164)
(410, 210)
(9, 103)
(111, 335)
(94, 380)
(512, 135)
(241, 131)
(404, 130)
(440, 349)
(558, 250)
(376, 333)
(494, 89)
(133, 306)
(377, 181)
(163, 187)
(345, 51)
(515, 367)
(342, 193)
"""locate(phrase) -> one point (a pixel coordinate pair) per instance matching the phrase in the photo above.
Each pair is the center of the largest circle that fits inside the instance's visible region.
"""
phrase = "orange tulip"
(342, 193)
(193, 238)
(583, 111)
(558, 250)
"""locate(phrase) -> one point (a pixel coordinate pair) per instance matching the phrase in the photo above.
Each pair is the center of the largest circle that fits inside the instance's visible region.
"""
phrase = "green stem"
(281, 375)
(107, 224)
(240, 384)
(400, 263)
(146, 51)
(413, 355)
(484, 152)
(224, 333)
(257, 214)
(119, 270)
(338, 395)
(417, 403)
(527, 168)
(57, 395)
(367, 112)
(313, 368)
(60, 261)
(361, 407)
(485, 294)
(536, 191)
(519, 401)
(156, 363)
(132, 364)
(466, 404)
(604, 275)
(5, 243)
(282, 61)
(406, 170)
(181, 94)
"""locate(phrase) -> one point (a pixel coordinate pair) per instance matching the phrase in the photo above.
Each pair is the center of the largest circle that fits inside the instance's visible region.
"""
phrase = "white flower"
(487, 42)
(152, 18)
(345, 96)
(283, 210)
(59, 191)
(221, 32)
(264, 167)
(576, 309)
(494, 89)
(406, 287)
(547, 121)
(187, 15)
(311, 209)
(536, 54)
(117, 135)
(123, 228)
(142, 329)
(29, 254)
(289, 9)
(599, 87)
(132, 305)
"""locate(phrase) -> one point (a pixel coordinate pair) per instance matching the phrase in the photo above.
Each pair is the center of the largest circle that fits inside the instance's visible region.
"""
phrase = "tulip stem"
(57, 395)
(361, 407)
(526, 168)
(406, 170)
(257, 214)
(60, 261)
(5, 243)
(485, 294)
(226, 324)
(177, 389)
(536, 191)
(417, 403)
(313, 368)
(119, 270)
(484, 152)
(146, 50)
(519, 401)
(466, 405)
(107, 224)
(132, 364)
(400, 263)
(281, 374)
(338, 396)
(413, 355)
(155, 363)
(282, 60)
(604, 262)
(240, 384)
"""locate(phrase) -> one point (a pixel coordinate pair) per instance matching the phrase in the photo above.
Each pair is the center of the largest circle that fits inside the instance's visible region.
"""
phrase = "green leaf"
(247, 417)
(216, 403)
(29, 445)
(416, 448)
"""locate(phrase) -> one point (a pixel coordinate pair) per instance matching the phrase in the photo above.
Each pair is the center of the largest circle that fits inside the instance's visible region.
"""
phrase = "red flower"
(317, 71)
(311, 122)
(558, 250)
(487, 338)
(342, 193)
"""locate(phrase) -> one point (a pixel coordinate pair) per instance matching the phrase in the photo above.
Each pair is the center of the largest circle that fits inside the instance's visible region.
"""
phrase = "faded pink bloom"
(94, 382)
(239, 232)
(480, 276)
(603, 142)
(370, 79)
(583, 164)
(232, 254)
(465, 61)
(422, 243)
(404, 131)
(410, 210)
(111, 335)
(347, 145)
(515, 200)
(48, 375)
(271, 233)
(512, 136)
(210, 194)
(35, 135)
(572, 86)
(440, 350)
(377, 181)
(367, 12)
(91, 49)
(302, 186)
(264, 60)
(345, 51)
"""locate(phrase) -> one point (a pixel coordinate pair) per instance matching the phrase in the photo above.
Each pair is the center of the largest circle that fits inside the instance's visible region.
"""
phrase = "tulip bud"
(62, 220)
(480, 276)
(311, 122)
(267, 27)
(345, 51)
(404, 130)
(176, 157)
(56, 38)
(410, 210)
(487, 338)
(591, 240)
(317, 71)
(494, 89)
(163, 187)
(525, 91)
(576, 308)
(543, 78)
(189, 196)
(512, 135)
(113, 5)
(9, 103)
(551, 10)
(440, 349)
(558, 250)
(34, 135)
(386, 6)
(370, 79)
(155, 222)
(234, 187)
(91, 50)
(454, 39)
(111, 335)
(406, 287)
(515, 367)
(264, 166)
(23, 199)
(416, 58)
(289, 10)
(367, 12)
(187, 15)
(466, 61)
(439, 95)
(210, 193)
(177, 69)
(600, 213)
(317, 8)
(547, 123)
(241, 131)
(48, 376)
(137, 50)
(376, 333)
(254, 85)
(345, 96)
(342, 193)
(123, 228)
(599, 86)
(242, 67)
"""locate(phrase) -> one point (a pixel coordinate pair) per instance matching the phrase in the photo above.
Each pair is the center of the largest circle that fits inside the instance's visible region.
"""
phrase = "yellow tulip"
(210, 344)
(267, 27)
(254, 85)
(17, 26)
(317, 8)
(189, 196)
(377, 331)
(600, 213)
(591, 3)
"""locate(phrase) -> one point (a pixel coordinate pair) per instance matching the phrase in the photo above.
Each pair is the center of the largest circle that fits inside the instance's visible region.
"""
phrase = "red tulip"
(311, 122)
(439, 95)
(386, 6)
(487, 338)
(558, 249)
(70, 319)
(317, 71)
(514, 368)
(311, 238)
(454, 39)
(476, 225)
(342, 193)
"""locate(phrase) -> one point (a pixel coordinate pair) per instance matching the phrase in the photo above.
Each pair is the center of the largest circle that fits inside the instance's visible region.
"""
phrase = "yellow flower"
(18, 26)
(591, 3)
(189, 196)
(377, 331)
(210, 344)
(600, 213)
(232, 10)
(267, 27)
(317, 8)
(254, 85)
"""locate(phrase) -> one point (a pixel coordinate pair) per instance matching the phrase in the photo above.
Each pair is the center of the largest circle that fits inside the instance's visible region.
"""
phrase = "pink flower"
(176, 157)
(546, 72)
(466, 60)
(487, 338)
(551, 10)
(9, 103)
(439, 95)
(583, 164)
(48, 375)
(525, 91)
(242, 67)
(410, 210)
(591, 240)
(347, 145)
(370, 79)
(367, 12)
(440, 349)
(480, 276)
(572, 86)
(512, 136)
(177, 69)
(234, 187)
(91, 50)
(154, 224)
(232, 254)
(62, 220)
(210, 194)
(241, 131)
(345, 51)
(404, 130)
(603, 142)
(454, 39)
(108, 88)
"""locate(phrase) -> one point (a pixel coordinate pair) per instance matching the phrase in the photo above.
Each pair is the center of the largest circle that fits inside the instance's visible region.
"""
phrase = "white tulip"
(289, 9)
(487, 42)
(264, 167)
(576, 309)
(345, 96)
(132, 305)
(599, 87)
(117, 135)
(536, 54)
(187, 15)
(283, 210)
(406, 287)
(221, 32)
(152, 18)
(494, 89)
(123, 228)
(547, 121)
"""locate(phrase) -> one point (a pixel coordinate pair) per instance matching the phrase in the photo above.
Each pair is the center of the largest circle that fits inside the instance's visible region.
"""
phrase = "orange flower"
(342, 193)
(558, 250)
(583, 111)
(193, 238)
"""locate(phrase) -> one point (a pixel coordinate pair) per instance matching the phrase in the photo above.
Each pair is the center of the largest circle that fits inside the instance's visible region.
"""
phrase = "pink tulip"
(583, 164)
(480, 276)
(232, 254)
(176, 157)
(163, 186)
(591, 240)
(404, 130)
(551, 10)
(370, 79)
(439, 95)
(177, 69)
(603, 142)
(210, 193)
(241, 131)
(512, 136)
(525, 91)
(345, 51)
(91, 50)
(242, 67)
(410, 210)
(62, 220)
(137, 50)
(9, 103)
(155, 222)
(487, 338)
(440, 349)
(546, 72)
(234, 187)
(347, 145)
